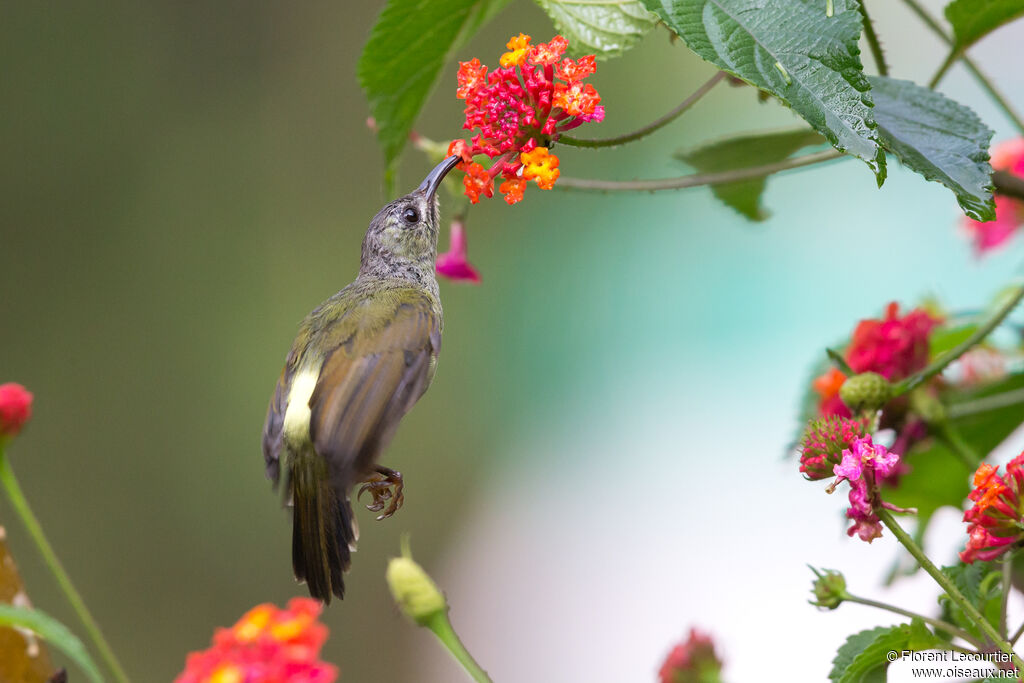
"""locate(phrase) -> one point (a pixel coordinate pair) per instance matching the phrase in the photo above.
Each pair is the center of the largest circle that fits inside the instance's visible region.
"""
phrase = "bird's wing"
(380, 364)
(273, 437)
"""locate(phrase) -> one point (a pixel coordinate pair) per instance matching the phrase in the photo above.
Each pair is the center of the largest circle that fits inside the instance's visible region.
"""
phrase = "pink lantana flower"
(453, 263)
(1006, 156)
(863, 465)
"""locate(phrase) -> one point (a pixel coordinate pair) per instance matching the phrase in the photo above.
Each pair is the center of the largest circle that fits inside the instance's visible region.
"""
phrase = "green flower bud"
(867, 391)
(414, 591)
(829, 589)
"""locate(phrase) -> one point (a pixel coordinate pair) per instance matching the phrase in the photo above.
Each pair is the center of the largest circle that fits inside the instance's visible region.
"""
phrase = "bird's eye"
(410, 215)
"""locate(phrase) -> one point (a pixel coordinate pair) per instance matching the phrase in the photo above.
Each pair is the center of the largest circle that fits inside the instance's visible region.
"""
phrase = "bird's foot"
(384, 485)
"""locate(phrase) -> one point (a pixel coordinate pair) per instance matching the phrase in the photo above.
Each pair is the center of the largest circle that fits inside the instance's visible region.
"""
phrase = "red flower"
(996, 521)
(453, 263)
(477, 182)
(521, 107)
(267, 645)
(570, 70)
(15, 408)
(894, 347)
(692, 661)
(513, 189)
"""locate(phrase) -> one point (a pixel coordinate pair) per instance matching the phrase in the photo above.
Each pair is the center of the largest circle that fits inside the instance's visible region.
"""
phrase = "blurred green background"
(184, 181)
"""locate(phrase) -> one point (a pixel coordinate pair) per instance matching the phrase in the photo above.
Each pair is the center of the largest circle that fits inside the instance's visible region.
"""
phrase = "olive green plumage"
(358, 363)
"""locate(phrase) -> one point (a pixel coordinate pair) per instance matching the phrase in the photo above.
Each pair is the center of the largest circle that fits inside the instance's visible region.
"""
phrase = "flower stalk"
(948, 586)
(35, 531)
(940, 363)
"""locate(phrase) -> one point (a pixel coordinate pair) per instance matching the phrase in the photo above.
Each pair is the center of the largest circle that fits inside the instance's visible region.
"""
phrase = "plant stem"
(986, 403)
(35, 530)
(652, 126)
(940, 363)
(1007, 184)
(980, 77)
(938, 623)
(954, 55)
(442, 628)
(1007, 586)
(872, 37)
(947, 585)
(696, 180)
(1017, 634)
(952, 439)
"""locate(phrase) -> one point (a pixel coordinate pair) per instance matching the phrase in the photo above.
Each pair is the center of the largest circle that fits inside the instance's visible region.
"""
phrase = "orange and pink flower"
(519, 110)
(267, 645)
(996, 521)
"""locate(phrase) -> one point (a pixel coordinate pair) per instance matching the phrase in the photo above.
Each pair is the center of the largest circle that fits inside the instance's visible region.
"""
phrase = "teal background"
(597, 465)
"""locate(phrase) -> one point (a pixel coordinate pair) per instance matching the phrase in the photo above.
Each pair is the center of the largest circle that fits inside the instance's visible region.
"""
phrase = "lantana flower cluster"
(1007, 156)
(996, 521)
(267, 645)
(519, 110)
(895, 347)
(863, 465)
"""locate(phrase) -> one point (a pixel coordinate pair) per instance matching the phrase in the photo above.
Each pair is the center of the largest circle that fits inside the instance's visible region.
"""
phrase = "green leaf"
(973, 19)
(862, 657)
(794, 50)
(53, 632)
(604, 28)
(979, 583)
(408, 46)
(942, 140)
(744, 152)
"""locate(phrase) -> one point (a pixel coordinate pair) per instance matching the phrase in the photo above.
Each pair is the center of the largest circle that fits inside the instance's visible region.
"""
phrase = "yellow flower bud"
(414, 591)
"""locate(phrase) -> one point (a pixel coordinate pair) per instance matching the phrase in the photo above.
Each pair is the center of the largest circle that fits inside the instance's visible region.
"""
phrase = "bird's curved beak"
(433, 180)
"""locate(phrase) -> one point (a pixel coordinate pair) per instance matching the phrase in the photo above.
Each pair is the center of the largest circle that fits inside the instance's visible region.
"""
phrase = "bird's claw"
(385, 487)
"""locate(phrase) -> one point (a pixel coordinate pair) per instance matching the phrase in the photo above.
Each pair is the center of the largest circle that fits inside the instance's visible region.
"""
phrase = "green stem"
(442, 628)
(986, 403)
(953, 440)
(1007, 586)
(937, 623)
(947, 585)
(940, 363)
(35, 530)
(652, 126)
(980, 77)
(954, 55)
(872, 37)
(1017, 634)
(695, 180)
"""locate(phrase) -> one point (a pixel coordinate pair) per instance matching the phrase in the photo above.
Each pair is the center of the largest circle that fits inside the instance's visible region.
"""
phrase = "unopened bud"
(829, 589)
(414, 591)
(867, 391)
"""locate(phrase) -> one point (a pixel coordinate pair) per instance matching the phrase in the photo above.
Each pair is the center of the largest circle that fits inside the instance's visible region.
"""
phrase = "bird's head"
(403, 234)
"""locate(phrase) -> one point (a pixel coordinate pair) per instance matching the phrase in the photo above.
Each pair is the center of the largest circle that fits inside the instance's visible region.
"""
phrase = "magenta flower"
(863, 465)
(453, 263)
(15, 408)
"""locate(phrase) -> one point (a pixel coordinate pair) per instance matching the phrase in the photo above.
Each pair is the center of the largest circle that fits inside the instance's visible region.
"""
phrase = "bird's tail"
(323, 532)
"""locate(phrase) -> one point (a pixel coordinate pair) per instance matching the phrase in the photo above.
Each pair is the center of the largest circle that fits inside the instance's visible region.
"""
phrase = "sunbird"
(358, 364)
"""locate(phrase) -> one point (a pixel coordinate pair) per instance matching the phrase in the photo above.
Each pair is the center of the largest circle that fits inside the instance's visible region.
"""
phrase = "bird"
(358, 364)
